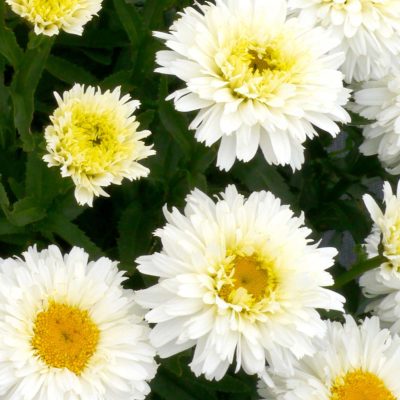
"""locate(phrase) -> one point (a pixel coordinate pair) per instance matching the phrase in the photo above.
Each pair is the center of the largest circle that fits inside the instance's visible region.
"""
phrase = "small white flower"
(238, 279)
(94, 137)
(50, 16)
(384, 281)
(368, 32)
(258, 79)
(379, 101)
(350, 363)
(68, 330)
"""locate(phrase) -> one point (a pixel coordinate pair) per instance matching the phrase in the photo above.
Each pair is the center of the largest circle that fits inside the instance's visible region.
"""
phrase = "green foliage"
(37, 205)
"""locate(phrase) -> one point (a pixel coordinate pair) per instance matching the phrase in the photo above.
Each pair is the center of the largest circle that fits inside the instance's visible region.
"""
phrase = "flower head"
(368, 32)
(237, 278)
(257, 78)
(378, 101)
(69, 330)
(350, 363)
(94, 138)
(384, 281)
(50, 16)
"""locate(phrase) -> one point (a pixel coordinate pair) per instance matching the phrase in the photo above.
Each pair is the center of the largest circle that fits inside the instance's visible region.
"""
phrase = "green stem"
(358, 269)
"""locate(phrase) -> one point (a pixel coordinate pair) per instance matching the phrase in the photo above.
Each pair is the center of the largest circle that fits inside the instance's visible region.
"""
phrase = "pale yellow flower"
(50, 16)
(94, 138)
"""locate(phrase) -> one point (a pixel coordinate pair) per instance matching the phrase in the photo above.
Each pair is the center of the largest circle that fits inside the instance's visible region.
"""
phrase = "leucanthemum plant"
(257, 78)
(350, 363)
(368, 32)
(68, 329)
(94, 138)
(240, 281)
(378, 102)
(48, 17)
(384, 282)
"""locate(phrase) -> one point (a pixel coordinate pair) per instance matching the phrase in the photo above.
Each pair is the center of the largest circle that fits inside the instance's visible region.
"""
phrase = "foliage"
(117, 48)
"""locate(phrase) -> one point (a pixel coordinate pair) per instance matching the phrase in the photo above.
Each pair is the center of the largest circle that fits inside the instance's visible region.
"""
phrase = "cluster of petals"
(350, 362)
(257, 78)
(383, 283)
(378, 101)
(94, 138)
(210, 293)
(50, 16)
(122, 360)
(367, 31)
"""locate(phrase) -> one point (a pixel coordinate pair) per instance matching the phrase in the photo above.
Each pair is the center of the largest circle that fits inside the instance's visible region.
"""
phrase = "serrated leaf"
(9, 47)
(24, 83)
(42, 182)
(61, 226)
(24, 212)
(130, 20)
(134, 235)
(68, 72)
(176, 125)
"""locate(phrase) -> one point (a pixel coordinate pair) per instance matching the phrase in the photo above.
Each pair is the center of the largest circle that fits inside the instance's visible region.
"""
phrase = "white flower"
(68, 330)
(50, 16)
(379, 101)
(238, 278)
(384, 281)
(350, 363)
(94, 138)
(257, 78)
(368, 32)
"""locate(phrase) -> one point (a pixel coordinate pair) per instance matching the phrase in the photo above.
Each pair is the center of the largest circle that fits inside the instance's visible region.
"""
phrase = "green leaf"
(134, 235)
(68, 72)
(42, 182)
(71, 233)
(176, 125)
(24, 83)
(24, 212)
(259, 175)
(130, 20)
(9, 47)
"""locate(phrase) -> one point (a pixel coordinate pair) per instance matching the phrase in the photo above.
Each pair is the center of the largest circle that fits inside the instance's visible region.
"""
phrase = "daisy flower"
(238, 279)
(94, 137)
(384, 282)
(351, 363)
(257, 78)
(368, 32)
(50, 16)
(68, 330)
(379, 102)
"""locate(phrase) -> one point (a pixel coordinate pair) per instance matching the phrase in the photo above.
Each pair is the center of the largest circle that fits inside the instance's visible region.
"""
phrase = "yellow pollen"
(53, 10)
(65, 337)
(360, 385)
(255, 277)
(93, 141)
(256, 70)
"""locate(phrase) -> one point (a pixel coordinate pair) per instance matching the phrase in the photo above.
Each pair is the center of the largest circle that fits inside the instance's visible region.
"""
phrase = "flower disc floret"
(350, 363)
(95, 139)
(50, 16)
(368, 32)
(238, 279)
(257, 78)
(68, 329)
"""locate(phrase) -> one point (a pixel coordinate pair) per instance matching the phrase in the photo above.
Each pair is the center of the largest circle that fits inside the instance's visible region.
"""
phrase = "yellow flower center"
(92, 142)
(360, 385)
(65, 337)
(257, 70)
(249, 280)
(53, 10)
